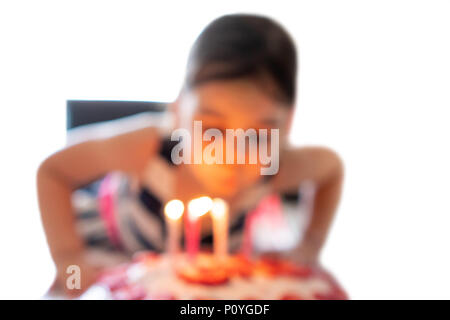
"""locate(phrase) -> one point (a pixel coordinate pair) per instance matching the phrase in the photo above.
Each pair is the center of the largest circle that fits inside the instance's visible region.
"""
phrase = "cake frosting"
(152, 276)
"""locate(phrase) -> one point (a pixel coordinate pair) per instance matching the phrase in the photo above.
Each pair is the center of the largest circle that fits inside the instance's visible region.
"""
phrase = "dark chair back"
(81, 112)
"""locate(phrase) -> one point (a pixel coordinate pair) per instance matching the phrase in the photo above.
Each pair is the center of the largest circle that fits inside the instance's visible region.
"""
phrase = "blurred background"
(373, 85)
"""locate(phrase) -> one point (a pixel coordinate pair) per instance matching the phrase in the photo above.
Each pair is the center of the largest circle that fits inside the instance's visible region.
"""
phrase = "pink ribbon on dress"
(270, 207)
(106, 193)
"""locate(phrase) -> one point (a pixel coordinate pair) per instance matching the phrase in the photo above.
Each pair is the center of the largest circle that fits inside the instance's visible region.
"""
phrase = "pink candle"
(219, 215)
(196, 208)
(173, 211)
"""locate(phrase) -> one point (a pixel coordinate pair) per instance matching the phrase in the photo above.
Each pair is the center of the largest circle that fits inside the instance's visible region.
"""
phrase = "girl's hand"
(303, 255)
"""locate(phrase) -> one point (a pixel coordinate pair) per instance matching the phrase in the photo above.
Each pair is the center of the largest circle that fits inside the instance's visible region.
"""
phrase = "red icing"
(291, 296)
(203, 276)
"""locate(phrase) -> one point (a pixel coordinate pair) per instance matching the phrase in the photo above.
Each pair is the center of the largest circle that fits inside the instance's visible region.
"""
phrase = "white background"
(374, 85)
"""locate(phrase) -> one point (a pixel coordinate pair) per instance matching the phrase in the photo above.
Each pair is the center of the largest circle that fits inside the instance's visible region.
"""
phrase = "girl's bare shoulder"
(314, 163)
(126, 145)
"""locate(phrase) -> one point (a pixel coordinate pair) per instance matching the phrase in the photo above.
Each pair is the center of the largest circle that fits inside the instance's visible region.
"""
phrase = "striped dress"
(113, 215)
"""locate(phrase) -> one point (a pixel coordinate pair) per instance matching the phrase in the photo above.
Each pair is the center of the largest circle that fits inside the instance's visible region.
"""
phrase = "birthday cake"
(196, 275)
(152, 276)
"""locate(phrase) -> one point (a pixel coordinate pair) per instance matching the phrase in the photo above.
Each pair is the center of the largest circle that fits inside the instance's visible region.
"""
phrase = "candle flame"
(219, 208)
(199, 206)
(174, 209)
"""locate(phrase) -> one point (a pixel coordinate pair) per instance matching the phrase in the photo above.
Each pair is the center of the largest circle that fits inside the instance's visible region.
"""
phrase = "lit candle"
(173, 211)
(196, 208)
(219, 214)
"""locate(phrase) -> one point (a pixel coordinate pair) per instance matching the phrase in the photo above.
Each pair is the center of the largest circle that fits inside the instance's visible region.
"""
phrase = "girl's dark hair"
(245, 46)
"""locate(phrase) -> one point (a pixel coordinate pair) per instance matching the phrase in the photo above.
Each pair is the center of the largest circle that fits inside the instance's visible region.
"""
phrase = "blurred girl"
(241, 74)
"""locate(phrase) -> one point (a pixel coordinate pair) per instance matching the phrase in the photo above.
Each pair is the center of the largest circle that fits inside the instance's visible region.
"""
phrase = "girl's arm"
(61, 173)
(325, 169)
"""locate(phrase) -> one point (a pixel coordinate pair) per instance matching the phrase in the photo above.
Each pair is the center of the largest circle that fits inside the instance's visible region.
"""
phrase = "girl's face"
(231, 104)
